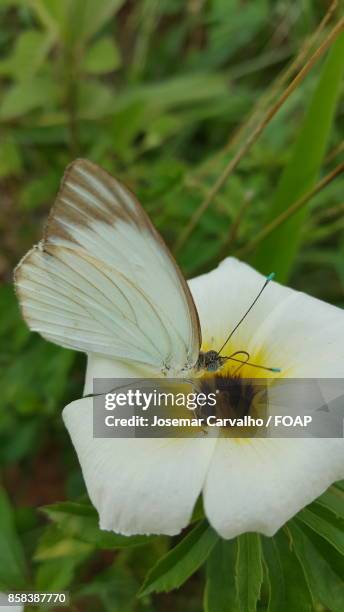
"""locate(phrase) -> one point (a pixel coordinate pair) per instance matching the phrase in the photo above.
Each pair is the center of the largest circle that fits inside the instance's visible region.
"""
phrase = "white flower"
(145, 486)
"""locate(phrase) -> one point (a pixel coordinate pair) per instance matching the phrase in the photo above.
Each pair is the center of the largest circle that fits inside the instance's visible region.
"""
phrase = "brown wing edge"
(18, 270)
(106, 177)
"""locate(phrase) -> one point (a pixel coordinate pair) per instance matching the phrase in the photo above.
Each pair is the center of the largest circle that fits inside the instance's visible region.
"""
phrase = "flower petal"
(138, 486)
(150, 486)
(258, 485)
(223, 295)
(294, 331)
(305, 335)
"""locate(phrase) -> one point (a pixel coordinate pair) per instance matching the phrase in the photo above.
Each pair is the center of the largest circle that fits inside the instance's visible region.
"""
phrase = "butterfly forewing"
(103, 281)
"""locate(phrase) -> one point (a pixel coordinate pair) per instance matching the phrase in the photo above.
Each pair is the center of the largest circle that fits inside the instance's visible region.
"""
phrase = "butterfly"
(103, 281)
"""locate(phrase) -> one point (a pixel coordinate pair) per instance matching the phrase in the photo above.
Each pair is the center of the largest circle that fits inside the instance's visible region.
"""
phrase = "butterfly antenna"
(249, 363)
(267, 280)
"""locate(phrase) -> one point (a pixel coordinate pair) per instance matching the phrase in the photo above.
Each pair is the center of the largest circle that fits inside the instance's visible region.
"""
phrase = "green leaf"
(248, 571)
(56, 544)
(277, 582)
(95, 100)
(172, 570)
(279, 249)
(40, 190)
(116, 587)
(10, 158)
(21, 445)
(12, 561)
(56, 574)
(102, 57)
(220, 591)
(10, 322)
(179, 91)
(339, 485)
(295, 592)
(333, 534)
(324, 584)
(89, 17)
(326, 551)
(52, 14)
(31, 49)
(36, 381)
(57, 512)
(333, 500)
(75, 21)
(25, 96)
(198, 511)
(79, 522)
(126, 124)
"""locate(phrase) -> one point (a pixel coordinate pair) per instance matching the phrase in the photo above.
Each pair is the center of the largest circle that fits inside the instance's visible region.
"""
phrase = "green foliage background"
(154, 91)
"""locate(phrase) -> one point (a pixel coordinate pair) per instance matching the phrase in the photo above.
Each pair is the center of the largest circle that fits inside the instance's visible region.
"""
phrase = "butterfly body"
(210, 361)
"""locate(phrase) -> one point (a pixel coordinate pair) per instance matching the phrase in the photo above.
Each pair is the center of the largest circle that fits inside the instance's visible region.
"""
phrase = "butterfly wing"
(103, 281)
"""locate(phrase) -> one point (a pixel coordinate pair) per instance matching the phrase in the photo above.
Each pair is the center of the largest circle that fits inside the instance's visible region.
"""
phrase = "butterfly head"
(210, 361)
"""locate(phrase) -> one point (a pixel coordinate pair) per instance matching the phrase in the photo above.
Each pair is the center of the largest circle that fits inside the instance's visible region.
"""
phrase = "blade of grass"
(290, 211)
(281, 247)
(253, 137)
(272, 91)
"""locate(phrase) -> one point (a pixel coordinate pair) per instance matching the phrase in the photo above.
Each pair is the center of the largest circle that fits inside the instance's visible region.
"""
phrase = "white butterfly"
(103, 281)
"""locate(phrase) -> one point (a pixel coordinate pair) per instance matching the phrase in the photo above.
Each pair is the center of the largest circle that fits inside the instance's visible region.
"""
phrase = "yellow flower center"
(241, 391)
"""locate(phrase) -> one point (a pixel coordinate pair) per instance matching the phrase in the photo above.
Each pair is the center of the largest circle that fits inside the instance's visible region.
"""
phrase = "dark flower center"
(237, 398)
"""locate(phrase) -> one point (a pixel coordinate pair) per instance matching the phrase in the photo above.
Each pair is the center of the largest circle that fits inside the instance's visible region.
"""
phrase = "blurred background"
(162, 94)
